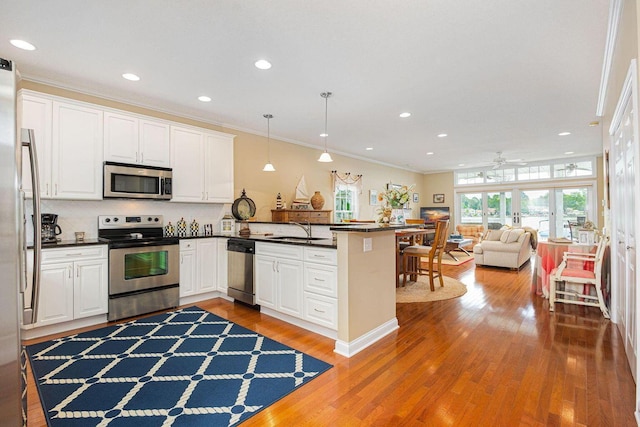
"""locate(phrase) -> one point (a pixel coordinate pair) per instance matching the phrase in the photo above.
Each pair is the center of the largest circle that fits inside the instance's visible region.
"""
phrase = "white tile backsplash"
(78, 215)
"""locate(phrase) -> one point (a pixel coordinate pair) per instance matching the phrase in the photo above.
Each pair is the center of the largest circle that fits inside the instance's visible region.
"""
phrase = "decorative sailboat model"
(301, 200)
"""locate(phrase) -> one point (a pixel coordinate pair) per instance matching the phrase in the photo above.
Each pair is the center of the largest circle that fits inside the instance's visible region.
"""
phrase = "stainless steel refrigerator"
(18, 298)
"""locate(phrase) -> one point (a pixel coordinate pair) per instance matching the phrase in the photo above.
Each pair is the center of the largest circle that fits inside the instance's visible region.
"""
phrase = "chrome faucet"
(306, 228)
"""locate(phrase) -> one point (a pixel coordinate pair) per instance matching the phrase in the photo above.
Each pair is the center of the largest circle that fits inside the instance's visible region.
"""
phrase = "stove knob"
(115, 219)
(156, 219)
(149, 219)
(107, 220)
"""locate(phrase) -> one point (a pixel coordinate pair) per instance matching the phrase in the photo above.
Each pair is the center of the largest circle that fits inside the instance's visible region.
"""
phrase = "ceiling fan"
(501, 161)
(571, 168)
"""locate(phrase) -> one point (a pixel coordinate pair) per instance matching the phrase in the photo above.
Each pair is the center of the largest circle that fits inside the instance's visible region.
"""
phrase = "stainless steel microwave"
(125, 181)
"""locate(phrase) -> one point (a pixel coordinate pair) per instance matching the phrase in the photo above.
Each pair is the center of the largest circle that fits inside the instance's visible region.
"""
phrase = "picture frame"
(416, 198)
(373, 198)
(438, 198)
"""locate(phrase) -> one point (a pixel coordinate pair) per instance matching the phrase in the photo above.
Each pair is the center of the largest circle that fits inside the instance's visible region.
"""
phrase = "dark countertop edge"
(323, 243)
(330, 224)
(369, 228)
(71, 243)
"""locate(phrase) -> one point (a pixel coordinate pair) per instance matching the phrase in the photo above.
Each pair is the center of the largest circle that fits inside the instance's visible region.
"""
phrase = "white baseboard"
(349, 349)
(30, 332)
(321, 330)
(194, 299)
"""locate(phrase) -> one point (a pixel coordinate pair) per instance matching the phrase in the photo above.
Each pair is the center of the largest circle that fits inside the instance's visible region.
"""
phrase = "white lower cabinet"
(199, 266)
(278, 277)
(222, 273)
(321, 286)
(287, 283)
(73, 284)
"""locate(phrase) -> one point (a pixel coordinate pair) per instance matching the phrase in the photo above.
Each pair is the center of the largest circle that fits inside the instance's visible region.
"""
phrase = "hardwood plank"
(495, 356)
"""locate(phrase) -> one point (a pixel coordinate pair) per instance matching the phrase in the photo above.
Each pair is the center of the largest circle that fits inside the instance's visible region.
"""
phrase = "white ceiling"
(495, 75)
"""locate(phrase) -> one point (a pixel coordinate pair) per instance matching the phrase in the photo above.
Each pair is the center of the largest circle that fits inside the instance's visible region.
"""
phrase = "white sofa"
(504, 248)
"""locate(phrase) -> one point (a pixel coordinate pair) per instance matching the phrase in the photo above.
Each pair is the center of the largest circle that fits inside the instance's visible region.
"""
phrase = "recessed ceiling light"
(131, 76)
(204, 98)
(564, 133)
(429, 153)
(369, 148)
(460, 164)
(442, 135)
(263, 64)
(569, 152)
(324, 135)
(405, 114)
(21, 44)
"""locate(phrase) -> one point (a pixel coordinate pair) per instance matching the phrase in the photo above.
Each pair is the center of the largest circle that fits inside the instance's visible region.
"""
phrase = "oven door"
(140, 268)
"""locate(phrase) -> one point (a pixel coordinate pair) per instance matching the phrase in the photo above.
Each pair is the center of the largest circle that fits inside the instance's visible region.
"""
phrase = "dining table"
(411, 236)
(548, 257)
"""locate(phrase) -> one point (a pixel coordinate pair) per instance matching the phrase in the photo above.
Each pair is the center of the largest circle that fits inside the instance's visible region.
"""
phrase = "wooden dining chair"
(585, 270)
(412, 257)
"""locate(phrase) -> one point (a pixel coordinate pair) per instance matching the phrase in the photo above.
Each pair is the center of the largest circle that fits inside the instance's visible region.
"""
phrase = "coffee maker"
(50, 228)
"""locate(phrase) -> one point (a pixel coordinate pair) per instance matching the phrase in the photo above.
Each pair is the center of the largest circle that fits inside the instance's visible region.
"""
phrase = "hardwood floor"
(493, 357)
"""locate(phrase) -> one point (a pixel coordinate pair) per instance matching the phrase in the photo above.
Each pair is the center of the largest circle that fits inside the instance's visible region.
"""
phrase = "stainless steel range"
(144, 266)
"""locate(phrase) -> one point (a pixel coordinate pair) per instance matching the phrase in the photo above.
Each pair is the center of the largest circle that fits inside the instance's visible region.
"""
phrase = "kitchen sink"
(295, 238)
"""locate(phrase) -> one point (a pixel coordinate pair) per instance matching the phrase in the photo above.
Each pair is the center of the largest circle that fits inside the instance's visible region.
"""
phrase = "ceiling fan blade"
(496, 166)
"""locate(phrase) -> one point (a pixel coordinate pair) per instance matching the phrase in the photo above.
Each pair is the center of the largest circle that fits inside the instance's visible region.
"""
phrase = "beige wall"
(291, 162)
(625, 50)
(440, 183)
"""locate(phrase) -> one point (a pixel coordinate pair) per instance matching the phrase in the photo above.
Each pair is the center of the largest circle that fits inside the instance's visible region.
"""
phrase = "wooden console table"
(301, 215)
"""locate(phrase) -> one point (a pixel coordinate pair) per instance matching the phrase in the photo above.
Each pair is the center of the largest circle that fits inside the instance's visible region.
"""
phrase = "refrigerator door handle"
(30, 315)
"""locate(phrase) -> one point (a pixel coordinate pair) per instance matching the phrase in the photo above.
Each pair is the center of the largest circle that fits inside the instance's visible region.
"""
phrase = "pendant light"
(268, 167)
(325, 157)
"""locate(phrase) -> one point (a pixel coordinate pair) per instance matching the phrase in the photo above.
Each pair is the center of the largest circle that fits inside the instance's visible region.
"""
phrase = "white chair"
(584, 269)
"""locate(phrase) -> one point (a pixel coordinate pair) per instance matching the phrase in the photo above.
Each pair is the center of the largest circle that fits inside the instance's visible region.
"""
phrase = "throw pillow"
(494, 235)
(514, 235)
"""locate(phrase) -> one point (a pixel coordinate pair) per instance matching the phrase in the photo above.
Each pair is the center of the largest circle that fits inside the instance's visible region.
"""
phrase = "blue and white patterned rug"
(183, 368)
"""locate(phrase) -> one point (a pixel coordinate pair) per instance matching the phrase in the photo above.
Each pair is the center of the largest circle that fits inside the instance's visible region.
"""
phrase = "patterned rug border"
(307, 368)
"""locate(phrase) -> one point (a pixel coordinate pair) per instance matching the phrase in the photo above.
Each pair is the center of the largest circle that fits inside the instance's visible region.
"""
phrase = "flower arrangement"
(396, 197)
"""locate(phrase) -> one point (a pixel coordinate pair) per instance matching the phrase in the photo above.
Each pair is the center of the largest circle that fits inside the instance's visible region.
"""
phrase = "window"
(346, 202)
(535, 171)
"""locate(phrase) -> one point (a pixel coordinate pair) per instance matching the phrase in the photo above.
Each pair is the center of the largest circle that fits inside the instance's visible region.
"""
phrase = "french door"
(549, 210)
(624, 211)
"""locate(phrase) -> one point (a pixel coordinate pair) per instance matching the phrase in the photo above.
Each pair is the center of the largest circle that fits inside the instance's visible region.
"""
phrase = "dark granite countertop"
(70, 243)
(271, 238)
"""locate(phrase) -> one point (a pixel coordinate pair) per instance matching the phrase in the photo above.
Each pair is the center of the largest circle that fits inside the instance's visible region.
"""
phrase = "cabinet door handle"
(47, 189)
(141, 157)
(136, 157)
(278, 266)
(77, 271)
(319, 311)
(70, 273)
(319, 256)
(318, 280)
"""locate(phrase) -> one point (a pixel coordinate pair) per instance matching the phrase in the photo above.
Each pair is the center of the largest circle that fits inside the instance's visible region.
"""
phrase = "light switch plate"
(367, 244)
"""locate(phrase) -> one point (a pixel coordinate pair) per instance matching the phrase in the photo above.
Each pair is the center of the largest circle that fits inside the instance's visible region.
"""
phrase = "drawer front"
(321, 255)
(298, 216)
(187, 245)
(321, 279)
(75, 253)
(279, 250)
(321, 310)
(319, 217)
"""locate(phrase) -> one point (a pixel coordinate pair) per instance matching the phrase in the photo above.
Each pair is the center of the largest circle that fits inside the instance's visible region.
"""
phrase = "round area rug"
(420, 291)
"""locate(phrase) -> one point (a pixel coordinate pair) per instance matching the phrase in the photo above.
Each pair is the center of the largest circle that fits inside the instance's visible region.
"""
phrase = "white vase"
(397, 217)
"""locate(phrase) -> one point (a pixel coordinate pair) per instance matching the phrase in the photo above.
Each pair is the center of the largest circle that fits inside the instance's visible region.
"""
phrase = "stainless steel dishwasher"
(240, 269)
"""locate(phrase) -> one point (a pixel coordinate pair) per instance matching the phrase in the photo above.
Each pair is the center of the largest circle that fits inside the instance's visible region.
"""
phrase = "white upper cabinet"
(202, 166)
(36, 113)
(219, 168)
(77, 152)
(128, 139)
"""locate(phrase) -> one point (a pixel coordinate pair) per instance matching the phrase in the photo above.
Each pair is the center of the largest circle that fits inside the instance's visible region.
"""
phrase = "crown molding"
(615, 14)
